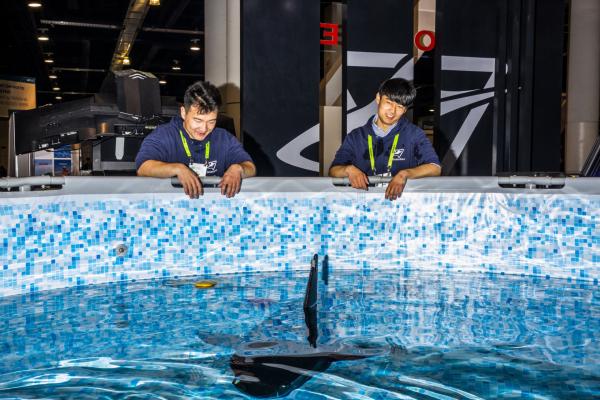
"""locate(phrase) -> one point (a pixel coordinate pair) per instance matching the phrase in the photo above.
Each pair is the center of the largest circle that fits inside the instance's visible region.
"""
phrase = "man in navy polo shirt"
(191, 146)
(388, 145)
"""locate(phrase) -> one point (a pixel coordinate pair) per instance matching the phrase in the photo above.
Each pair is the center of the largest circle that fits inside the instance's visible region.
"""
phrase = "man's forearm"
(248, 169)
(422, 171)
(338, 171)
(159, 169)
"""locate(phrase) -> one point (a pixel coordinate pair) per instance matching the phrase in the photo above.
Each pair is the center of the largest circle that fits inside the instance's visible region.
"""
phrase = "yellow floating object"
(204, 284)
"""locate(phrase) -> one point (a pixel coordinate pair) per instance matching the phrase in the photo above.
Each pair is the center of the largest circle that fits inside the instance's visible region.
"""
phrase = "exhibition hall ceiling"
(82, 43)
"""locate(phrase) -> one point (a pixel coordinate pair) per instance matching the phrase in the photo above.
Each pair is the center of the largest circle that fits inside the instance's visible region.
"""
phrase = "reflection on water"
(427, 335)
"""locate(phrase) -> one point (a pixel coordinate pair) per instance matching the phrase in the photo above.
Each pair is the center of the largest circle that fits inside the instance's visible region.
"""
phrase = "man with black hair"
(191, 146)
(388, 145)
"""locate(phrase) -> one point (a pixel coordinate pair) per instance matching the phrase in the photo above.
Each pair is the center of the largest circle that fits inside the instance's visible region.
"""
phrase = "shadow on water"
(276, 368)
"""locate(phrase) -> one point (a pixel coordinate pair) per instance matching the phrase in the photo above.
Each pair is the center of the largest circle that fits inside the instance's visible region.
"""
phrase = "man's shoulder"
(223, 135)
(359, 132)
(222, 132)
(168, 128)
(411, 130)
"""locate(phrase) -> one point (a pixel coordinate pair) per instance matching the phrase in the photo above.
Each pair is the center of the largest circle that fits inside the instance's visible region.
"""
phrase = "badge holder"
(199, 169)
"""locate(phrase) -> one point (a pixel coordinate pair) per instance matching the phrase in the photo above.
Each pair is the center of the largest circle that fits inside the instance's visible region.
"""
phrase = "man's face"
(388, 112)
(198, 125)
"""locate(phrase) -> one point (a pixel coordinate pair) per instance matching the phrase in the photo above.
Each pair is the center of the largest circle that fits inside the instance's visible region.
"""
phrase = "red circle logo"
(420, 40)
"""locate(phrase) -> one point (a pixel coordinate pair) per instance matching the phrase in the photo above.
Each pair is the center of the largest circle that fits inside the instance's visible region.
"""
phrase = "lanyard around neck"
(390, 158)
(187, 149)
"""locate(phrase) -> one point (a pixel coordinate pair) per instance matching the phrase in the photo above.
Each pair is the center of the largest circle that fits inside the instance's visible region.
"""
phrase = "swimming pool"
(429, 335)
(458, 278)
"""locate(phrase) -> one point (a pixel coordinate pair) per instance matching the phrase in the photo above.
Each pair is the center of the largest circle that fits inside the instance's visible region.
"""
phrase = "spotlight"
(162, 82)
(34, 4)
(58, 97)
(56, 88)
(194, 46)
(42, 37)
(176, 66)
(48, 60)
(53, 76)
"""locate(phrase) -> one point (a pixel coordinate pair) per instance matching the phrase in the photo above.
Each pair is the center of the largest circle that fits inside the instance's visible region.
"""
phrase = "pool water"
(381, 334)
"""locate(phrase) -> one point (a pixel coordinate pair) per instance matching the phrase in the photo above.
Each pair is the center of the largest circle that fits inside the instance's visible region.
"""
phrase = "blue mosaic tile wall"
(77, 240)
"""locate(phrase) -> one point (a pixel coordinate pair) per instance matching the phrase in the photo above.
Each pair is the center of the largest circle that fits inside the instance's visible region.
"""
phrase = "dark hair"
(203, 95)
(398, 90)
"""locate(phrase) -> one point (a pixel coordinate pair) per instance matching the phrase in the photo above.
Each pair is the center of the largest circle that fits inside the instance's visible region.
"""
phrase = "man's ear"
(182, 112)
(377, 98)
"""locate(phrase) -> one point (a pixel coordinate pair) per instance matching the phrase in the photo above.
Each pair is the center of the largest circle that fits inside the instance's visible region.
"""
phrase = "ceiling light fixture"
(176, 66)
(162, 82)
(48, 60)
(56, 88)
(154, 2)
(194, 46)
(42, 37)
(53, 76)
(58, 97)
(34, 4)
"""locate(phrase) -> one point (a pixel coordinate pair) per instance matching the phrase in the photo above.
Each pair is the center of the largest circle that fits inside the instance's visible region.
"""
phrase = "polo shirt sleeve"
(345, 154)
(152, 148)
(423, 151)
(235, 152)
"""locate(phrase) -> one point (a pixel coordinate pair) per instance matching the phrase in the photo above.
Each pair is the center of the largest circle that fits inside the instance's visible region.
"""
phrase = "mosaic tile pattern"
(77, 240)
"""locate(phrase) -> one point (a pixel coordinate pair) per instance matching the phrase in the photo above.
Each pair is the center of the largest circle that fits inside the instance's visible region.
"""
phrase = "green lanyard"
(390, 158)
(187, 149)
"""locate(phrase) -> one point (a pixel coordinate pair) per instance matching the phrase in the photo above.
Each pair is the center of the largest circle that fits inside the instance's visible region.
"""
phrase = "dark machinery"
(113, 122)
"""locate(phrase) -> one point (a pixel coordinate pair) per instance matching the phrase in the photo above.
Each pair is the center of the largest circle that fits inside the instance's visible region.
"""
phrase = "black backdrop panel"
(468, 34)
(280, 85)
(377, 32)
(547, 86)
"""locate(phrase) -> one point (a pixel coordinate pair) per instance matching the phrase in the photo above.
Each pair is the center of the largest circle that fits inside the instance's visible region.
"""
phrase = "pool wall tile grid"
(72, 240)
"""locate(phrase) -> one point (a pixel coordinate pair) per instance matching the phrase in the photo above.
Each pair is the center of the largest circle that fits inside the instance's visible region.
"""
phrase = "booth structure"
(297, 76)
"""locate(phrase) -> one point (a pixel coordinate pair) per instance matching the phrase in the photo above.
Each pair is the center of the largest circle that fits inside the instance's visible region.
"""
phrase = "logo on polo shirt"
(398, 155)
(212, 167)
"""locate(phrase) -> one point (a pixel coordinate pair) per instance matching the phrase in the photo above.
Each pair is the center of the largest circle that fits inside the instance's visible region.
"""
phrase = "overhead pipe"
(136, 13)
(192, 32)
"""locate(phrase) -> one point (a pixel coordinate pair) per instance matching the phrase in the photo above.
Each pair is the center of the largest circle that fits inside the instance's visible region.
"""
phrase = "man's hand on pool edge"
(192, 185)
(231, 181)
(396, 186)
(357, 178)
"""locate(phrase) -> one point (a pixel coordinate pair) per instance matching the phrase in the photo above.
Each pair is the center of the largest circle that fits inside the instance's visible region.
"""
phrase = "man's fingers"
(394, 191)
(193, 187)
(188, 187)
(229, 187)
(365, 181)
(359, 182)
(235, 188)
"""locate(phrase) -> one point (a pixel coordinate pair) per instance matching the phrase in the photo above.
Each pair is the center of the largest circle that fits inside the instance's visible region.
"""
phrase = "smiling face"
(388, 112)
(198, 125)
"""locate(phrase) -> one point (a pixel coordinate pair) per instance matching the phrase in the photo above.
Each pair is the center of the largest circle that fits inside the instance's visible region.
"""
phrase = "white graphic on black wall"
(463, 98)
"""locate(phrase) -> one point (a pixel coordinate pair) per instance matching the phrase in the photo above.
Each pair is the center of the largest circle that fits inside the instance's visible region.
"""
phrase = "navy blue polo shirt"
(164, 144)
(413, 148)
